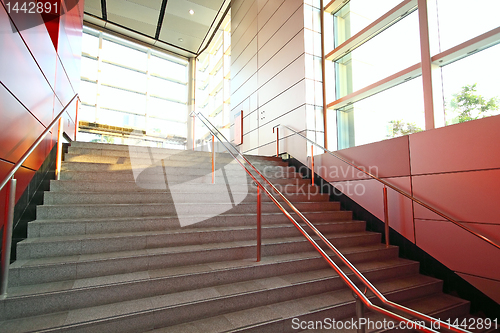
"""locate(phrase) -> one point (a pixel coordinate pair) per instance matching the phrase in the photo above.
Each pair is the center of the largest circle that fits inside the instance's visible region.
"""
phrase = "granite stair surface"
(136, 239)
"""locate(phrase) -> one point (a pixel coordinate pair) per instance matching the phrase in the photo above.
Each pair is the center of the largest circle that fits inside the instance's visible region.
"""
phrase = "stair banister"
(11, 195)
(361, 297)
(409, 196)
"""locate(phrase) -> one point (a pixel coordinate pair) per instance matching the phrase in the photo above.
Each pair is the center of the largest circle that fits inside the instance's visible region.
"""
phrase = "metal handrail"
(361, 297)
(11, 200)
(34, 145)
(409, 196)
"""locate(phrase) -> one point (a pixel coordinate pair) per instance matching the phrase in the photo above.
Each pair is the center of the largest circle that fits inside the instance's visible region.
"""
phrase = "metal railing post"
(10, 202)
(386, 218)
(277, 140)
(213, 159)
(76, 118)
(312, 165)
(59, 149)
(360, 313)
(259, 224)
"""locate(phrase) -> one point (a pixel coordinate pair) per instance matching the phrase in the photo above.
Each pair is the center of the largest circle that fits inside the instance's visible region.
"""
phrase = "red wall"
(455, 169)
(37, 80)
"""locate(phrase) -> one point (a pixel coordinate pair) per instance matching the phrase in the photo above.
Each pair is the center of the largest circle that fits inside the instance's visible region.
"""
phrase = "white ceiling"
(166, 24)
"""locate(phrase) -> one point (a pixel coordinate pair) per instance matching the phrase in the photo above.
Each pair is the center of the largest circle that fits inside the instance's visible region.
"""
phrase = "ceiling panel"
(93, 7)
(214, 4)
(178, 30)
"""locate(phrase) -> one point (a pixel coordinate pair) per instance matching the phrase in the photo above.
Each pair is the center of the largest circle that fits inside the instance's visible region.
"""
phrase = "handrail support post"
(59, 149)
(360, 313)
(213, 159)
(386, 218)
(259, 224)
(312, 165)
(7, 235)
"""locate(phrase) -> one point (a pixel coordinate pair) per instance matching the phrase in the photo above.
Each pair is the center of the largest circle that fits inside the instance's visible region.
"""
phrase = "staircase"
(138, 239)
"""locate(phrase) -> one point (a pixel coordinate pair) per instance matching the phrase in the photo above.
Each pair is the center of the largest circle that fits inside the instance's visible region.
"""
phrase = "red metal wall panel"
(467, 196)
(18, 131)
(38, 42)
(388, 158)
(20, 73)
(460, 147)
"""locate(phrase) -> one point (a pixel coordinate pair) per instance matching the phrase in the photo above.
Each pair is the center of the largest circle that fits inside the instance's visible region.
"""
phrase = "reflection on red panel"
(466, 196)
(383, 159)
(458, 249)
(18, 131)
(21, 75)
(39, 43)
(64, 90)
(466, 146)
(23, 177)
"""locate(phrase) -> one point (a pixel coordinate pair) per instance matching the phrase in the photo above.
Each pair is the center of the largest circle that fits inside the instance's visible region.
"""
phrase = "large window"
(212, 83)
(374, 71)
(131, 86)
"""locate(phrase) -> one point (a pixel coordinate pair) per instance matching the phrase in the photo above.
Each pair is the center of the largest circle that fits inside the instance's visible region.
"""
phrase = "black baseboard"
(25, 209)
(481, 305)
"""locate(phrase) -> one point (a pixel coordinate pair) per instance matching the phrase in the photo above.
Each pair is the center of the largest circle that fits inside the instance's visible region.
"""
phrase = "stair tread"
(180, 230)
(183, 299)
(103, 219)
(76, 259)
(102, 281)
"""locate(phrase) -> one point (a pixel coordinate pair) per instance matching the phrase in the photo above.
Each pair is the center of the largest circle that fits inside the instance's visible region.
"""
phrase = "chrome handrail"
(34, 145)
(409, 196)
(10, 200)
(360, 295)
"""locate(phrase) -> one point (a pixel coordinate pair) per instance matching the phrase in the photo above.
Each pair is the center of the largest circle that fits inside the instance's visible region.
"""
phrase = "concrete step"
(177, 177)
(269, 293)
(91, 186)
(44, 270)
(95, 146)
(440, 306)
(167, 154)
(65, 198)
(165, 209)
(67, 227)
(84, 293)
(196, 169)
(60, 246)
(281, 317)
(188, 160)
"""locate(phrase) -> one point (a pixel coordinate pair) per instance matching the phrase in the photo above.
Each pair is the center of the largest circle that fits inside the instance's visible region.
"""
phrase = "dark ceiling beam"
(215, 31)
(215, 18)
(160, 18)
(104, 10)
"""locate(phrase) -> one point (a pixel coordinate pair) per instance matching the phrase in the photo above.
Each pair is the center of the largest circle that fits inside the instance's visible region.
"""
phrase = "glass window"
(357, 15)
(461, 20)
(121, 119)
(471, 87)
(118, 85)
(123, 78)
(367, 64)
(89, 68)
(168, 69)
(86, 113)
(88, 92)
(124, 55)
(161, 108)
(166, 127)
(168, 89)
(90, 44)
(117, 99)
(394, 112)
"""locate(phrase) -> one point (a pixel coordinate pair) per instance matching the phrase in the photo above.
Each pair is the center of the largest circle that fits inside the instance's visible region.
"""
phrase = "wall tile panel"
(460, 147)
